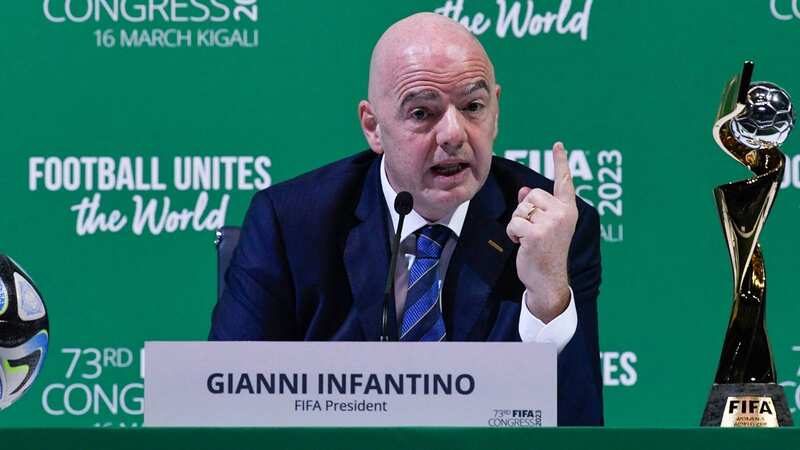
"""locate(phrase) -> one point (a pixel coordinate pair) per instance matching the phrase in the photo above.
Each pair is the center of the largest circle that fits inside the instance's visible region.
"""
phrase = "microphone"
(403, 204)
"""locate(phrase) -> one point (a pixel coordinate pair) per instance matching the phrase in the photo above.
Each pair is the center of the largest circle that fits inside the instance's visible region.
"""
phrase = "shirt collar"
(413, 222)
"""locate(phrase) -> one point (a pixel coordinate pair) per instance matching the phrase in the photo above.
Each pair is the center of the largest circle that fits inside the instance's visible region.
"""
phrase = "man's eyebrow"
(476, 86)
(425, 94)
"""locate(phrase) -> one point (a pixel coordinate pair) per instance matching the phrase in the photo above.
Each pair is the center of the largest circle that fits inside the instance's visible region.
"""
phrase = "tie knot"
(431, 240)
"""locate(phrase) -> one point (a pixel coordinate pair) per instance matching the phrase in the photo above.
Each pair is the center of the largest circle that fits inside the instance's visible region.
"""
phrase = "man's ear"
(370, 127)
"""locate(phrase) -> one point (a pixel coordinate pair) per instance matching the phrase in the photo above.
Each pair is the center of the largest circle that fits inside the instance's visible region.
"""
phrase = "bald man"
(492, 251)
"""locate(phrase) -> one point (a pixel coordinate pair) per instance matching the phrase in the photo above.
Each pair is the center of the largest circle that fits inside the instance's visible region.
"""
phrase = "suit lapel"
(481, 254)
(366, 257)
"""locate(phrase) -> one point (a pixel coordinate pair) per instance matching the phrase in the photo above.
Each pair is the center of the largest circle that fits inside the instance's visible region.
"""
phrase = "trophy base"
(747, 405)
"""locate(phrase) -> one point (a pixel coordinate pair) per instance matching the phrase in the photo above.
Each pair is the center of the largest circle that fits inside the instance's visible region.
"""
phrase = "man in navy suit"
(491, 252)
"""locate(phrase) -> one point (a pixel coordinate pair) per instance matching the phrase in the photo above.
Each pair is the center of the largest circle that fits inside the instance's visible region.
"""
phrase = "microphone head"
(403, 203)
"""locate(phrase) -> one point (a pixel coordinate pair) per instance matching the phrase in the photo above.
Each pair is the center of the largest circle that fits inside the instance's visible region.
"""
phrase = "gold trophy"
(752, 122)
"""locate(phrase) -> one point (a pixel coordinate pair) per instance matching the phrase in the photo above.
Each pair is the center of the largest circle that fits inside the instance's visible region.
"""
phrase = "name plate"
(353, 384)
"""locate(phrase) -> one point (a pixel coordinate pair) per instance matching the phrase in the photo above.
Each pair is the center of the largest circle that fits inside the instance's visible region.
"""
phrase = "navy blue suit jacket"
(313, 255)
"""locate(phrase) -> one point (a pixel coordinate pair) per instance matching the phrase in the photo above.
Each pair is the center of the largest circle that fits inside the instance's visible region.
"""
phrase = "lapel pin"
(495, 246)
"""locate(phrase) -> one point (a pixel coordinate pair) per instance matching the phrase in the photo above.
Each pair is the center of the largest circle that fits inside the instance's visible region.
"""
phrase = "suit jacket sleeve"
(257, 301)
(580, 382)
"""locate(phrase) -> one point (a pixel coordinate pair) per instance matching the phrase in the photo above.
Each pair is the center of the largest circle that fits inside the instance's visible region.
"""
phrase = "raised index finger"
(563, 188)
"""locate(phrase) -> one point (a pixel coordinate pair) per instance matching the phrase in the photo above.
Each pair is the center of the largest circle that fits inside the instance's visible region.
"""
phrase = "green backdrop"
(631, 87)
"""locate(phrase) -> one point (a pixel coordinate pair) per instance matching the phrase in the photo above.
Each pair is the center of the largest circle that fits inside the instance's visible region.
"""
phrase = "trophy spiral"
(752, 122)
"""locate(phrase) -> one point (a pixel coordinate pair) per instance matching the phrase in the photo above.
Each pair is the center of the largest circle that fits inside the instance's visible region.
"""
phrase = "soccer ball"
(23, 332)
(768, 118)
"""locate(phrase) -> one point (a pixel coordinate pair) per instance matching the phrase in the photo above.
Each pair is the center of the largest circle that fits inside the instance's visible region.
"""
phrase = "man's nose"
(451, 133)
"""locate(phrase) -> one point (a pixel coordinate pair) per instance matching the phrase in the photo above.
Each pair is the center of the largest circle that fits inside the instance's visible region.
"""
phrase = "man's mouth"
(449, 169)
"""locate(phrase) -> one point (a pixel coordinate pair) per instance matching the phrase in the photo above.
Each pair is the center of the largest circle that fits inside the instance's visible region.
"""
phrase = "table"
(399, 438)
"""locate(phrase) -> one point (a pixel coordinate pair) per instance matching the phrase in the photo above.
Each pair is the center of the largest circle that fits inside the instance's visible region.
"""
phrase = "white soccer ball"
(24, 332)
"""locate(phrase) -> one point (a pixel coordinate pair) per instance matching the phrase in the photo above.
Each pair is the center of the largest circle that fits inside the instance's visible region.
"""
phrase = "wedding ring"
(531, 213)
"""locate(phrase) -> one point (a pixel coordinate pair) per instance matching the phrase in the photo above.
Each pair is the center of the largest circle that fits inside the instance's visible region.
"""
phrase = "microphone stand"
(403, 205)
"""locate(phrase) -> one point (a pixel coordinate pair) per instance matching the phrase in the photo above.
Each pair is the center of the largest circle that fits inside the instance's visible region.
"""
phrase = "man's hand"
(543, 226)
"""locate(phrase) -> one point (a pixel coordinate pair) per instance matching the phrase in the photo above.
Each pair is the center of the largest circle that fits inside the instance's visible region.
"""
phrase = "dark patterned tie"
(422, 320)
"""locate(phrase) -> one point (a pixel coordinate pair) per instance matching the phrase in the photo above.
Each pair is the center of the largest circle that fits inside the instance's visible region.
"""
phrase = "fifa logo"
(751, 406)
(598, 181)
(525, 413)
(749, 411)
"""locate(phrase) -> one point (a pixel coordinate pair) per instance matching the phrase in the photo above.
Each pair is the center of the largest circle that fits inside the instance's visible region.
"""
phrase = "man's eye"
(419, 114)
(474, 106)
